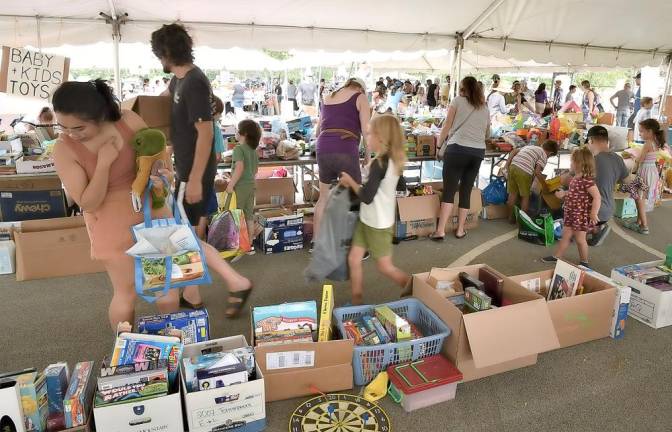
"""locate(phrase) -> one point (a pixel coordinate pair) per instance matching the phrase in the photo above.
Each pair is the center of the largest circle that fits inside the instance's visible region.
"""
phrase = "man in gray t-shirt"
(610, 170)
(623, 105)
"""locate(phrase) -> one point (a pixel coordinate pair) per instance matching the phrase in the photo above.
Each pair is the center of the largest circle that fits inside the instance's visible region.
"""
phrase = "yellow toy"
(376, 389)
(150, 149)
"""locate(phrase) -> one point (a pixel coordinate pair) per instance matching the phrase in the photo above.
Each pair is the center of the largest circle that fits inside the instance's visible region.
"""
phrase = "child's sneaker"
(549, 259)
(584, 264)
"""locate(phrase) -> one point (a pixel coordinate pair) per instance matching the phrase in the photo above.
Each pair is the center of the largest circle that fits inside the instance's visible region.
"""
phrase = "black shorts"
(199, 210)
(331, 165)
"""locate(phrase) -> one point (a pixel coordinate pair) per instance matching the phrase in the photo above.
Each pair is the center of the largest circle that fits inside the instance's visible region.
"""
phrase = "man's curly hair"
(173, 43)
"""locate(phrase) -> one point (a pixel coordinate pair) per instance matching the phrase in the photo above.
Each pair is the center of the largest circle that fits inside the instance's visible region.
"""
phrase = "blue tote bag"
(167, 253)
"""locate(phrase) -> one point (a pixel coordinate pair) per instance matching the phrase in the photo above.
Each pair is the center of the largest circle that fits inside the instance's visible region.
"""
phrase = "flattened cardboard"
(582, 318)
(457, 346)
(332, 370)
(52, 248)
(275, 191)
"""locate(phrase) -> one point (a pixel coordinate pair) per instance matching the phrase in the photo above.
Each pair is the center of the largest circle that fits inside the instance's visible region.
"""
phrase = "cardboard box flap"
(39, 225)
(218, 345)
(510, 332)
(418, 207)
(327, 354)
(154, 110)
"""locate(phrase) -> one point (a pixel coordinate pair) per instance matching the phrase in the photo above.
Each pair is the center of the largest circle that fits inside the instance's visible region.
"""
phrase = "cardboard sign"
(31, 73)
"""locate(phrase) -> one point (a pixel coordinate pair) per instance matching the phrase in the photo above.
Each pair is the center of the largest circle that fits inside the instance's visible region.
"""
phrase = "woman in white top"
(377, 213)
(466, 128)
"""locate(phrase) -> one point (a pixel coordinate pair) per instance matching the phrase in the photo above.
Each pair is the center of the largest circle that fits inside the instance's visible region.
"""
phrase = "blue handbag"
(157, 273)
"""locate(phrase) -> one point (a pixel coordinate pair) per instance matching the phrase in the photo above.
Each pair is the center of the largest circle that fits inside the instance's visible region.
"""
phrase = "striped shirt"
(529, 157)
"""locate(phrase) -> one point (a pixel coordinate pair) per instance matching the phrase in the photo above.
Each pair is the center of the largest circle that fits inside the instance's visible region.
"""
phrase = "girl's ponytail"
(112, 108)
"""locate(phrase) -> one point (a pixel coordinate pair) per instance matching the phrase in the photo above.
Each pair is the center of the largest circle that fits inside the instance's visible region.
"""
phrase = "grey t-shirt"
(471, 133)
(624, 97)
(610, 169)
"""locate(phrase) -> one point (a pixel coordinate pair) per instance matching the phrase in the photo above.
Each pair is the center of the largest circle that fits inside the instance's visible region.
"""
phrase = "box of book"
(651, 297)
(193, 324)
(584, 316)
(223, 385)
(484, 343)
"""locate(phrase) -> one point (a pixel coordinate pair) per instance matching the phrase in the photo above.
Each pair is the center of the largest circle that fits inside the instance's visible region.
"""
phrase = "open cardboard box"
(580, 318)
(648, 305)
(154, 110)
(52, 248)
(321, 367)
(493, 341)
(238, 406)
(275, 191)
(416, 216)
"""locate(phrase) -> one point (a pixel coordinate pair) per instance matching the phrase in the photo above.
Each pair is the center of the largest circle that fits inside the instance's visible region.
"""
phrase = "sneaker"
(584, 264)
(598, 238)
(312, 245)
(549, 259)
(643, 230)
(366, 256)
(252, 252)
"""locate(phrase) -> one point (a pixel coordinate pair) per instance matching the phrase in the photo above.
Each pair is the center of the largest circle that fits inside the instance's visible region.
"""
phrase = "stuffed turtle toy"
(150, 149)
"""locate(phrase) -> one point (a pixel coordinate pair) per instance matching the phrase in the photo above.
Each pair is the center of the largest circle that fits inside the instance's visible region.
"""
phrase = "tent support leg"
(459, 47)
(666, 93)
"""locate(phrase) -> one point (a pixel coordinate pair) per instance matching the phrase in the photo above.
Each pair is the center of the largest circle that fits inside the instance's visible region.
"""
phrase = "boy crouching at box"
(523, 165)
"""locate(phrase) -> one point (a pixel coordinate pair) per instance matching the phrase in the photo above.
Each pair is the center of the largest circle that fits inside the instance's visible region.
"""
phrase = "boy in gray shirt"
(610, 170)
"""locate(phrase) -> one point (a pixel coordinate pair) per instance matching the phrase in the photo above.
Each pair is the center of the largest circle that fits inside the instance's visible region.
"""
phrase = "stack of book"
(658, 277)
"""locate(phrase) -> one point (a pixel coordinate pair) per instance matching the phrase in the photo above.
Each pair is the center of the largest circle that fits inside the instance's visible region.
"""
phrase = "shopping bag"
(495, 192)
(228, 230)
(540, 231)
(167, 252)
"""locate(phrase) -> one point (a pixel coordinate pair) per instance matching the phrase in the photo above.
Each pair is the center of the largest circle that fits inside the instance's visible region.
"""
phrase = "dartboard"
(339, 413)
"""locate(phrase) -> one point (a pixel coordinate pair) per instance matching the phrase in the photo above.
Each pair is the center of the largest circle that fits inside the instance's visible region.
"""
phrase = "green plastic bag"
(538, 231)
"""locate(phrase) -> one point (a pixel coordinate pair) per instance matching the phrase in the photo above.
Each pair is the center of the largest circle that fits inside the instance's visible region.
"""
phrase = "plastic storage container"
(625, 208)
(368, 361)
(423, 383)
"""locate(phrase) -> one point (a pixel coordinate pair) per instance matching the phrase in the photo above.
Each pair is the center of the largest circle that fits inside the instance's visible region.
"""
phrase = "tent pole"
(481, 18)
(458, 62)
(666, 93)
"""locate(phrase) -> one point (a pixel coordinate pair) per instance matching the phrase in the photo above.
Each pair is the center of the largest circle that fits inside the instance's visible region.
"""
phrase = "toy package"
(325, 313)
(476, 299)
(283, 317)
(132, 387)
(398, 328)
(193, 324)
(240, 356)
(77, 402)
(57, 377)
(132, 347)
(221, 376)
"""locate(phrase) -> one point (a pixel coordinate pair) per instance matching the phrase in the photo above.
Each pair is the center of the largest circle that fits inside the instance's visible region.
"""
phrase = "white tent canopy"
(604, 33)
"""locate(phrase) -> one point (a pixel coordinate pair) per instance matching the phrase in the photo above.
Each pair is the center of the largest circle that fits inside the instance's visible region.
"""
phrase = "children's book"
(565, 282)
(132, 347)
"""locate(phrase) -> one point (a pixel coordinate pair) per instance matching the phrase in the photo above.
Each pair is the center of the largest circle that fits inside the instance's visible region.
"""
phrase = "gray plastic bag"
(330, 251)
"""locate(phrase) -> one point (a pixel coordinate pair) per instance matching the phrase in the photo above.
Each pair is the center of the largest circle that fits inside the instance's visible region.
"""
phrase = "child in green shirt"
(244, 169)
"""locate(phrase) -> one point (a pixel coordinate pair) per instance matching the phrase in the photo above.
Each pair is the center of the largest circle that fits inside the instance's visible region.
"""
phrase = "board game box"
(193, 324)
(77, 402)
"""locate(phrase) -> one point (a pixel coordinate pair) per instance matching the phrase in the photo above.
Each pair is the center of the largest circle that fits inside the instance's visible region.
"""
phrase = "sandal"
(436, 238)
(187, 304)
(233, 308)
(462, 236)
(643, 230)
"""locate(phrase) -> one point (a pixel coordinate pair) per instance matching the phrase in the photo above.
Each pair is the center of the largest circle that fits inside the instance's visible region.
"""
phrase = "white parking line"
(469, 256)
(627, 237)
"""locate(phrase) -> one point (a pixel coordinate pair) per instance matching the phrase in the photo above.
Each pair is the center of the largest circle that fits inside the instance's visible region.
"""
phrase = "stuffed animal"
(150, 149)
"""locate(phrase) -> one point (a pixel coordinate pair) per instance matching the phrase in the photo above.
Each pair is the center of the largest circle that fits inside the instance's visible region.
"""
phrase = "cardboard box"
(648, 305)
(475, 207)
(310, 193)
(582, 318)
(34, 165)
(492, 341)
(329, 368)
(154, 110)
(416, 216)
(52, 248)
(425, 145)
(621, 307)
(495, 211)
(275, 191)
(282, 231)
(7, 230)
(7, 257)
(242, 405)
(159, 414)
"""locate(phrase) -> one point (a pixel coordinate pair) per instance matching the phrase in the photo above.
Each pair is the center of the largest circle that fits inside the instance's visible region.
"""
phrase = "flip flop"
(432, 237)
(237, 306)
(187, 304)
(462, 236)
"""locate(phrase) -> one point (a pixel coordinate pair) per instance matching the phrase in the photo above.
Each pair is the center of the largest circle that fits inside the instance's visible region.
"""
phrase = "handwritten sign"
(31, 73)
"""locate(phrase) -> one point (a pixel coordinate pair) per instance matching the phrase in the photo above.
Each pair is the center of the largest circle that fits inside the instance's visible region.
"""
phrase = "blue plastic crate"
(368, 361)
